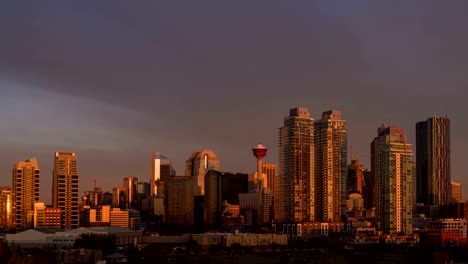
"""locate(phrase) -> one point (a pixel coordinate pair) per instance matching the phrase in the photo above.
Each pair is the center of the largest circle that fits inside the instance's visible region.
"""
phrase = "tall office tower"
(119, 198)
(25, 192)
(355, 181)
(197, 165)
(161, 168)
(107, 198)
(369, 190)
(179, 200)
(331, 158)
(220, 187)
(294, 197)
(270, 170)
(391, 158)
(455, 192)
(129, 187)
(7, 216)
(433, 161)
(65, 190)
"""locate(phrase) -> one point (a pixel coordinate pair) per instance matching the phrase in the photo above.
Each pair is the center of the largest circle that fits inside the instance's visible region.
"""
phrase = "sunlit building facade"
(197, 165)
(391, 159)
(65, 188)
(455, 192)
(294, 197)
(7, 216)
(25, 188)
(161, 168)
(331, 158)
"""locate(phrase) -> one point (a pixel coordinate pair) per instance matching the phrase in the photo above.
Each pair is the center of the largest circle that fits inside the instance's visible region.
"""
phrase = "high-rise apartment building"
(130, 189)
(161, 168)
(25, 182)
(270, 170)
(197, 165)
(391, 159)
(294, 197)
(118, 198)
(331, 158)
(355, 181)
(65, 188)
(7, 216)
(179, 200)
(433, 161)
(455, 192)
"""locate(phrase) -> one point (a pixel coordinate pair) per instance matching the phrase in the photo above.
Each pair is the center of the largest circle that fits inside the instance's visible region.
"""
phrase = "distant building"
(270, 170)
(128, 218)
(369, 190)
(46, 217)
(391, 157)
(355, 181)
(197, 165)
(95, 197)
(161, 168)
(130, 190)
(295, 197)
(7, 216)
(446, 231)
(25, 182)
(433, 161)
(331, 158)
(179, 200)
(220, 187)
(65, 188)
(107, 198)
(455, 192)
(119, 198)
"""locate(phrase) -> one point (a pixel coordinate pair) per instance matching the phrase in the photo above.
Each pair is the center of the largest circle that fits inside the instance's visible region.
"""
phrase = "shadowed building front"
(433, 161)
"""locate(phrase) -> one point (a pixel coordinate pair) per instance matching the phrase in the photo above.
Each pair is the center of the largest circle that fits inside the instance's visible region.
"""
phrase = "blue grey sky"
(115, 80)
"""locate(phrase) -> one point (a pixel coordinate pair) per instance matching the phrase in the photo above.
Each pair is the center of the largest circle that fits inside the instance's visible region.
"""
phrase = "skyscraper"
(270, 170)
(355, 181)
(65, 188)
(391, 159)
(129, 187)
(25, 182)
(7, 216)
(179, 200)
(433, 161)
(161, 168)
(294, 196)
(197, 165)
(455, 192)
(331, 158)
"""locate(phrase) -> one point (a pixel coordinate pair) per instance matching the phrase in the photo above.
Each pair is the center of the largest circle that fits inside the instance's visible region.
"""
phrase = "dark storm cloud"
(183, 75)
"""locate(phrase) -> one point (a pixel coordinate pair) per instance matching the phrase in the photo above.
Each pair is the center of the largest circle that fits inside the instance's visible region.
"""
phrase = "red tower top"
(259, 151)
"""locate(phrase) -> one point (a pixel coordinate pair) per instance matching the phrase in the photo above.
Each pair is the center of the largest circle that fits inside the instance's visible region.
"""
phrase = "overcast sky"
(115, 80)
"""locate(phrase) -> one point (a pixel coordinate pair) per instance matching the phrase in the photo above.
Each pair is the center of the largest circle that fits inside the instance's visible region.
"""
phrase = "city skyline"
(115, 86)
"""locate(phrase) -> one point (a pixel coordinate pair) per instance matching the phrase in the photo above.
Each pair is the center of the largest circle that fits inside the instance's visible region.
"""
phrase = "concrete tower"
(260, 152)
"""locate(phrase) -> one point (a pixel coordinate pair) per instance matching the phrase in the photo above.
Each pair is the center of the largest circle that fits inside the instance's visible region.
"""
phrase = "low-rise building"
(243, 239)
